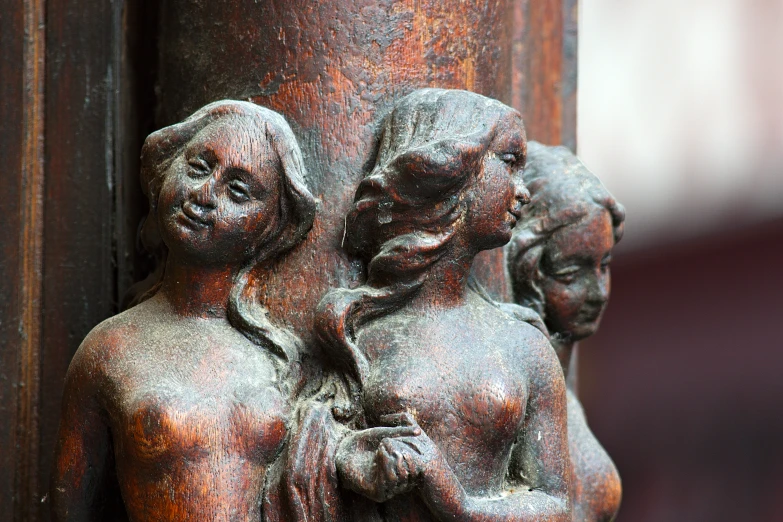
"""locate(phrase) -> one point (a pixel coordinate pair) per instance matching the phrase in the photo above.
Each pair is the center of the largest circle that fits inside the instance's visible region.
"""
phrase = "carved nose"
(522, 194)
(203, 195)
(599, 290)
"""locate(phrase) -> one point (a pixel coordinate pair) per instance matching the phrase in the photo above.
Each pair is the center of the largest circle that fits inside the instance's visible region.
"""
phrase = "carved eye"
(508, 157)
(566, 275)
(605, 263)
(238, 191)
(197, 167)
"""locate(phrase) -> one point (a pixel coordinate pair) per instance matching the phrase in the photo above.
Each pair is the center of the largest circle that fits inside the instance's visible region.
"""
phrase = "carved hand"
(385, 461)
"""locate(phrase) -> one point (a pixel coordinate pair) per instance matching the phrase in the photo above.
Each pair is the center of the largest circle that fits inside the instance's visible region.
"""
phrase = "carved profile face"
(220, 199)
(495, 199)
(575, 278)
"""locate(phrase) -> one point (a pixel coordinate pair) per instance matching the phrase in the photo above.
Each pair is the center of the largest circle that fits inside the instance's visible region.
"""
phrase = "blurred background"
(680, 112)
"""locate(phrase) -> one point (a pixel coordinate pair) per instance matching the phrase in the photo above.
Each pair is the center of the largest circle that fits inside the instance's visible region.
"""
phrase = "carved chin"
(583, 330)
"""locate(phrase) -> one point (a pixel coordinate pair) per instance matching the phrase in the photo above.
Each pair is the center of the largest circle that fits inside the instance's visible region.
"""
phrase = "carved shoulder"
(89, 370)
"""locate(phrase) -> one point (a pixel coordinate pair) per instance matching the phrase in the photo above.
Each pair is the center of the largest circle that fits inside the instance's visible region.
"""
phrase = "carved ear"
(437, 168)
(618, 219)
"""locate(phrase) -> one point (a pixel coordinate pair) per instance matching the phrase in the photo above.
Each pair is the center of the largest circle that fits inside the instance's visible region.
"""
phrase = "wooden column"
(21, 111)
(71, 204)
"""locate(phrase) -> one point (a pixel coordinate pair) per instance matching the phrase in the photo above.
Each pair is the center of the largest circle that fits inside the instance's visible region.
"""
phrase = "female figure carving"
(444, 407)
(558, 261)
(183, 401)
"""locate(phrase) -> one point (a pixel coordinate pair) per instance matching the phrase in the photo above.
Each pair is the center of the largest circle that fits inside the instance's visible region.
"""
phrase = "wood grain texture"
(20, 313)
(136, 63)
(12, 142)
(79, 265)
(545, 69)
(27, 481)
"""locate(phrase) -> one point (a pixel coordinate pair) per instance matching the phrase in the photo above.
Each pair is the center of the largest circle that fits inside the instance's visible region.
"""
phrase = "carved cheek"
(563, 303)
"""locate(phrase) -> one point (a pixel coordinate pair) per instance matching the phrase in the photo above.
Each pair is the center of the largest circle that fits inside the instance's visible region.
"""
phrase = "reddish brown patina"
(559, 266)
(183, 401)
(79, 81)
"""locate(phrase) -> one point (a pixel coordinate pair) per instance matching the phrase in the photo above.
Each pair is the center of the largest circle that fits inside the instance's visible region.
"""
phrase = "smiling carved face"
(220, 198)
(576, 278)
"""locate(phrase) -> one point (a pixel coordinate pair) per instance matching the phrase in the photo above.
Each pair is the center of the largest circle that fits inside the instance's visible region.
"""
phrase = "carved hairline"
(436, 155)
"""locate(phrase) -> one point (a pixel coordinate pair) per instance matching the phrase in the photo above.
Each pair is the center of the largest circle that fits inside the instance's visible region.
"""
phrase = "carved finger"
(375, 435)
(399, 419)
(388, 465)
(413, 443)
(411, 470)
(402, 469)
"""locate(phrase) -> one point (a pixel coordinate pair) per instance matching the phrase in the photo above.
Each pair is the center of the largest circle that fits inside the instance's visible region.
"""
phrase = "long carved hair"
(297, 208)
(405, 212)
(563, 192)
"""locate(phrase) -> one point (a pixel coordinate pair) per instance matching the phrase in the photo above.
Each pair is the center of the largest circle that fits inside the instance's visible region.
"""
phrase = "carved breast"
(472, 411)
(170, 422)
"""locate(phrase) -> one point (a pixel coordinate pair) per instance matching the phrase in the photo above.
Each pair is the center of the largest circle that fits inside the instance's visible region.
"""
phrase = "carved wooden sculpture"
(558, 261)
(441, 405)
(183, 401)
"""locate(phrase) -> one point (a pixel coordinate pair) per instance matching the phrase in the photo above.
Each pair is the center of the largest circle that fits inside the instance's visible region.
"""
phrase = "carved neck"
(446, 282)
(566, 354)
(564, 351)
(197, 291)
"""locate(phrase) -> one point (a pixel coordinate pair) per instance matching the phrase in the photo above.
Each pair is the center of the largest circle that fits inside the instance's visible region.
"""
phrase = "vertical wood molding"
(544, 69)
(79, 256)
(31, 253)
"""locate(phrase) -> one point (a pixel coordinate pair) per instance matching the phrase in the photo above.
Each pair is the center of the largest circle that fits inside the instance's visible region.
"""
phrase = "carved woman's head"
(559, 256)
(448, 169)
(226, 187)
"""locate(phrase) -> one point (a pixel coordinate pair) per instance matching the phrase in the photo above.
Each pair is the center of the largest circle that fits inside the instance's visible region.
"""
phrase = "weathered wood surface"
(91, 101)
(545, 69)
(79, 267)
(21, 67)
(59, 269)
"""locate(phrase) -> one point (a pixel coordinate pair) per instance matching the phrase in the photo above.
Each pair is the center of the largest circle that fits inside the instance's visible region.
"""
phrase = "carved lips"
(192, 217)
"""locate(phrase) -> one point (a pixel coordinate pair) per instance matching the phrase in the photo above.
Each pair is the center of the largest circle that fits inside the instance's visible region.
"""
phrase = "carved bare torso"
(462, 379)
(195, 413)
(597, 487)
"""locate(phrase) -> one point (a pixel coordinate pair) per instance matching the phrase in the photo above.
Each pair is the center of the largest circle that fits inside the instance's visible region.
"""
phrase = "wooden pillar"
(69, 233)
(21, 111)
